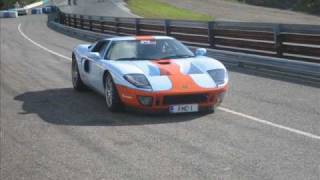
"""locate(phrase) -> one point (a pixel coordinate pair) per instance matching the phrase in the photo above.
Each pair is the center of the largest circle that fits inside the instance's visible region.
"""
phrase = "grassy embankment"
(309, 6)
(156, 9)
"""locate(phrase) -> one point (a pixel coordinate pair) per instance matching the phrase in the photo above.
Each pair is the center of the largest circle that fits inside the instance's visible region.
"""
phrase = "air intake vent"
(185, 99)
(163, 62)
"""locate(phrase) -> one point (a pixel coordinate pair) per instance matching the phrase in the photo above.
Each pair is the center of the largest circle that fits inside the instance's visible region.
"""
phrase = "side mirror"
(201, 52)
(94, 55)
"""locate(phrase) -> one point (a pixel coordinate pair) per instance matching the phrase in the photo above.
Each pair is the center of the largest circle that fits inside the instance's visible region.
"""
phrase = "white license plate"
(184, 108)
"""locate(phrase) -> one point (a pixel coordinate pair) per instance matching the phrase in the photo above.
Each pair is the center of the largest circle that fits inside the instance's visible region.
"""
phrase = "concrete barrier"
(36, 11)
(8, 14)
(47, 10)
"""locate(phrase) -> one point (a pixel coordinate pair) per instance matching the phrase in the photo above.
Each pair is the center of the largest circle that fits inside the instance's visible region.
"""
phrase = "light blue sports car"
(150, 73)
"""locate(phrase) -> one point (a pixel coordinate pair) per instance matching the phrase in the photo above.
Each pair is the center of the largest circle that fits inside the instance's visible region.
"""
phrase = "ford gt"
(150, 73)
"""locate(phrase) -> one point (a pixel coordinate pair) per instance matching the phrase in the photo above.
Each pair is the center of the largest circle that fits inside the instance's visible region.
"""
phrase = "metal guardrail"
(303, 70)
(299, 42)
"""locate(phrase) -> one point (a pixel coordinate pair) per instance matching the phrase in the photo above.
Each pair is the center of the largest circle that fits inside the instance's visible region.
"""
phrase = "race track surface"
(114, 8)
(49, 131)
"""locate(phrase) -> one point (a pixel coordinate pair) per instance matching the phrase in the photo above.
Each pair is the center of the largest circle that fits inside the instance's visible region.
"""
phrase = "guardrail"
(299, 42)
(299, 69)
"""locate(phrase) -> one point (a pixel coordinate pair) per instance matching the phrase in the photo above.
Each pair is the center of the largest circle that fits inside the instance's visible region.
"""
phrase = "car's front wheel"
(113, 100)
(76, 79)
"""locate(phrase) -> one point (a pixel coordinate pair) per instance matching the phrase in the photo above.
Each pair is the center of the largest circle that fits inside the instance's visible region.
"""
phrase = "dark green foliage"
(310, 6)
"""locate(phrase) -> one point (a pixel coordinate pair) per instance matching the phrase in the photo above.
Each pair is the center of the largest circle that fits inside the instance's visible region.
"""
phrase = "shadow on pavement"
(68, 107)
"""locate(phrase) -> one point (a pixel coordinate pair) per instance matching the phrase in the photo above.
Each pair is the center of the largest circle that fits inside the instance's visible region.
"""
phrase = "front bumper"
(207, 99)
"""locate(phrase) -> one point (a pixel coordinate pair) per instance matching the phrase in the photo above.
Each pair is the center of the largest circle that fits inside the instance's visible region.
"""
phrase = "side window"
(122, 49)
(100, 47)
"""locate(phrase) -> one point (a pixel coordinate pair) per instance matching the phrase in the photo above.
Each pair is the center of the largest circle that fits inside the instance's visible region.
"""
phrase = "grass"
(156, 9)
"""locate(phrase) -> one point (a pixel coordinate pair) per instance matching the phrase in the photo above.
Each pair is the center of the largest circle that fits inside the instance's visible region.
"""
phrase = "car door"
(92, 66)
(86, 63)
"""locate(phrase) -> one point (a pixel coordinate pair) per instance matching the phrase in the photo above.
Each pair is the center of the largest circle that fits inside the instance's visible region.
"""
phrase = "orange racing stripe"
(180, 81)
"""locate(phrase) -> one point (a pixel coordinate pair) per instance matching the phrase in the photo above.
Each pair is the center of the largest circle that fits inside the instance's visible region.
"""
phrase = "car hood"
(174, 74)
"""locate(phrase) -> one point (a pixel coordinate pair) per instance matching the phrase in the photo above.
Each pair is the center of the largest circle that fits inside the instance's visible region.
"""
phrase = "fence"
(300, 42)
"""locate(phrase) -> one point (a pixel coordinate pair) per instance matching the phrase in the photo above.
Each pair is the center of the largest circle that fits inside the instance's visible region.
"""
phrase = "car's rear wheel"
(113, 100)
(77, 83)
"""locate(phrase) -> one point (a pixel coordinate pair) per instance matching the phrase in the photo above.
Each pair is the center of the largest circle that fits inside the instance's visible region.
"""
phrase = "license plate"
(184, 108)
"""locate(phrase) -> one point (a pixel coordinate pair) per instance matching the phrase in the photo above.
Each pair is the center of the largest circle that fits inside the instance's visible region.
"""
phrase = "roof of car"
(126, 38)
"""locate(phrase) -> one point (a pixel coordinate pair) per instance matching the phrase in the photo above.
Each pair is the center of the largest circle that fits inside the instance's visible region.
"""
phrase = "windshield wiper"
(177, 56)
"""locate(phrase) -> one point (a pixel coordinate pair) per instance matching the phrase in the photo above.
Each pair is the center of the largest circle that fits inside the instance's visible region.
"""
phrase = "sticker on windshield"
(148, 42)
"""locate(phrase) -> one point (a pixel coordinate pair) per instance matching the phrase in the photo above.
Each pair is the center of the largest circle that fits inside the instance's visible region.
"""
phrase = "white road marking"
(42, 47)
(306, 134)
(255, 119)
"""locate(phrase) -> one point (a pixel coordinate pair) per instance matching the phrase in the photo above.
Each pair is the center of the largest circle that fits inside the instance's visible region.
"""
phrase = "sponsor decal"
(148, 42)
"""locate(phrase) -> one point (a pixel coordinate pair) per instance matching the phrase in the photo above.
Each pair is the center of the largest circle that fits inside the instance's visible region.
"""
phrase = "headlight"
(138, 80)
(220, 76)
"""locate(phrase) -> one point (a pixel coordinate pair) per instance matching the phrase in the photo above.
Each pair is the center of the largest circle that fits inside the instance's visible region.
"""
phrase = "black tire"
(209, 110)
(77, 83)
(113, 100)
(212, 110)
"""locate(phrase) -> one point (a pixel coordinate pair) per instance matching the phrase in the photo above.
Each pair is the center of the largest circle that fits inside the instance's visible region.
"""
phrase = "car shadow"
(68, 107)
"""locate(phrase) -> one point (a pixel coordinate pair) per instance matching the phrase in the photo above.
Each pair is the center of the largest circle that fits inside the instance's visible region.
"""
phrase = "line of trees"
(309, 6)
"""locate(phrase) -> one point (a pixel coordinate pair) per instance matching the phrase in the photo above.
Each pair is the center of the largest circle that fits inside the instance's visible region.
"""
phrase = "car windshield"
(155, 49)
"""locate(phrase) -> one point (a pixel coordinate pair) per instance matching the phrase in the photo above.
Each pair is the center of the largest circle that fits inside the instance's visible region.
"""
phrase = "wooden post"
(75, 20)
(167, 27)
(211, 34)
(69, 21)
(90, 23)
(101, 25)
(277, 40)
(61, 18)
(117, 26)
(81, 21)
(57, 17)
(137, 21)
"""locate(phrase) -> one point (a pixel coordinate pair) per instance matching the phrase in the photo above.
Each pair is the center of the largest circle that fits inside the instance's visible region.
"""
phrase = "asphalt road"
(115, 8)
(49, 131)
